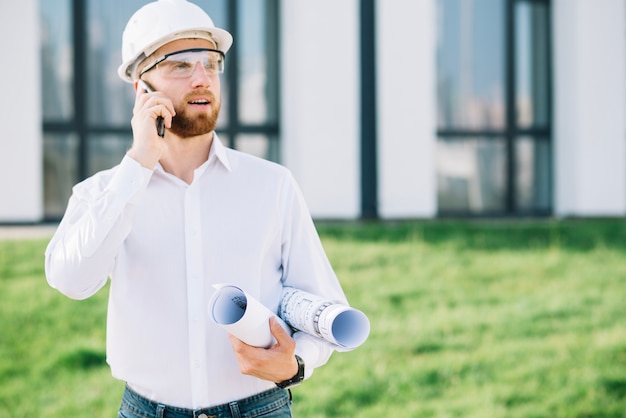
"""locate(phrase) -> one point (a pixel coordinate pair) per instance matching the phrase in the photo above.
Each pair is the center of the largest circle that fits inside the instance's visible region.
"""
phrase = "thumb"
(278, 331)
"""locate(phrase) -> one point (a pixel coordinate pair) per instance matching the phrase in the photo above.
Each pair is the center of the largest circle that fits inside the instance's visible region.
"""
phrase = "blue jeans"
(275, 403)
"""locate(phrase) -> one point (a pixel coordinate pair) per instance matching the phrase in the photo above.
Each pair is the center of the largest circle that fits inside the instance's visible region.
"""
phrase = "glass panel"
(259, 145)
(256, 40)
(57, 72)
(531, 61)
(533, 173)
(471, 175)
(225, 139)
(106, 151)
(109, 100)
(470, 64)
(60, 172)
(223, 121)
(218, 11)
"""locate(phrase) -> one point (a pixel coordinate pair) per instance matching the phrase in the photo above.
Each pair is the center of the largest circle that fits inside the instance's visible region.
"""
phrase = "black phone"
(160, 124)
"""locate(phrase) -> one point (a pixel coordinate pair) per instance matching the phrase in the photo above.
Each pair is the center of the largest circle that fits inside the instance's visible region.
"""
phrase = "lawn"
(469, 319)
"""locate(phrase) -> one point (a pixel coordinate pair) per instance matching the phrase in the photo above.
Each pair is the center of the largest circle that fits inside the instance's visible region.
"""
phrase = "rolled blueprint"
(337, 323)
(243, 316)
(247, 319)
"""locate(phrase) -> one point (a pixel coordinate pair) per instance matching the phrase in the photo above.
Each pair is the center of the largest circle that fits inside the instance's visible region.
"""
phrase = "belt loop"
(160, 411)
(234, 409)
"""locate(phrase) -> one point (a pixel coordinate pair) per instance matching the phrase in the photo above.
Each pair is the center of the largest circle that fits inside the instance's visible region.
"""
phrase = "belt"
(253, 406)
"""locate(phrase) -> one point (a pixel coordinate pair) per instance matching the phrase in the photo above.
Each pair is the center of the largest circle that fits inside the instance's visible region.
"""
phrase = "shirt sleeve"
(306, 267)
(81, 254)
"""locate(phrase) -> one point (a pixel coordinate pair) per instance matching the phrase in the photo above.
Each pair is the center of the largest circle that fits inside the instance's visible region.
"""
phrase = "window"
(494, 117)
(87, 108)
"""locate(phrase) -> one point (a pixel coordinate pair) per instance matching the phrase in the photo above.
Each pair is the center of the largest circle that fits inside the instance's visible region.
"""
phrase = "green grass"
(469, 319)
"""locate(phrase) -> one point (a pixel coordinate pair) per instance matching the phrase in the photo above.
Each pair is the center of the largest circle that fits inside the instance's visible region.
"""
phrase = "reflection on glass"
(225, 139)
(109, 100)
(470, 64)
(259, 145)
(60, 172)
(218, 11)
(257, 44)
(532, 58)
(532, 174)
(106, 151)
(57, 73)
(471, 175)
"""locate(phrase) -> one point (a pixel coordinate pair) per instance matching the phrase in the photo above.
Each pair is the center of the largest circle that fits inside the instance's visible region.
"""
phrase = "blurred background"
(446, 114)
(381, 109)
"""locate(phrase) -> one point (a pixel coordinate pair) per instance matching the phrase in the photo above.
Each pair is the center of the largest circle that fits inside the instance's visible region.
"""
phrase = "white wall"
(320, 103)
(406, 108)
(590, 107)
(21, 192)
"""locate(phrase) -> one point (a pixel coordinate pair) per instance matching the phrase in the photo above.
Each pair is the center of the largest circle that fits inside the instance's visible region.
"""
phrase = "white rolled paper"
(243, 316)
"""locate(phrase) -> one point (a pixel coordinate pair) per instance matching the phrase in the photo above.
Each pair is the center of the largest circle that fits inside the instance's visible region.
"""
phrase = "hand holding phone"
(160, 125)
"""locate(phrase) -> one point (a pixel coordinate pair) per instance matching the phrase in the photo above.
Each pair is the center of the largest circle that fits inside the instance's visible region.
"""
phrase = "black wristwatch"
(296, 379)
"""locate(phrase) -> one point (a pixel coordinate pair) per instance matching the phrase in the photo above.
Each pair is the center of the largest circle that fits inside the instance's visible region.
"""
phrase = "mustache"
(205, 94)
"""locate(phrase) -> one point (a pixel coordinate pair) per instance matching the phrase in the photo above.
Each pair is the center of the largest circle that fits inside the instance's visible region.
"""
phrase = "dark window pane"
(218, 10)
(57, 71)
(259, 145)
(256, 43)
(109, 100)
(106, 151)
(470, 64)
(533, 174)
(60, 167)
(471, 175)
(532, 64)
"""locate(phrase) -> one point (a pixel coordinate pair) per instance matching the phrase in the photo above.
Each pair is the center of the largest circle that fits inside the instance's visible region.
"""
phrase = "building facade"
(391, 109)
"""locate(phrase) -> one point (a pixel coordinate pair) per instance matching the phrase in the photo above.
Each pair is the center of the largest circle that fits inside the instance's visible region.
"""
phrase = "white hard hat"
(163, 21)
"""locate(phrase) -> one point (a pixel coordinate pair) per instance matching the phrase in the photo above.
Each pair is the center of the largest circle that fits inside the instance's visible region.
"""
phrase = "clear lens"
(182, 64)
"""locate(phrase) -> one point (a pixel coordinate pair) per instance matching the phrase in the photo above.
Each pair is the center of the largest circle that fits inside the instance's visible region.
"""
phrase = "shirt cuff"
(129, 178)
(312, 350)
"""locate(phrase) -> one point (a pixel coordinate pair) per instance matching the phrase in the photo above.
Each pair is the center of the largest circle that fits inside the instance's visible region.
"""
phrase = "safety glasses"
(182, 64)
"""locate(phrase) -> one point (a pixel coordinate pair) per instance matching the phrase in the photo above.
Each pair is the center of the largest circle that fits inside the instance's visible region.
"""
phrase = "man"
(181, 213)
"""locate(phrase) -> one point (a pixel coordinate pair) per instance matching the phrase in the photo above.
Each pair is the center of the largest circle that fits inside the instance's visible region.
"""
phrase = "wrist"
(148, 158)
(297, 378)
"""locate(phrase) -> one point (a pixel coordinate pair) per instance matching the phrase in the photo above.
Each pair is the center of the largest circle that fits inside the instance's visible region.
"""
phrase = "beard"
(187, 125)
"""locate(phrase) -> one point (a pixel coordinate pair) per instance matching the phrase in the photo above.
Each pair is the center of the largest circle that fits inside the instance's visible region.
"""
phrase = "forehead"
(182, 44)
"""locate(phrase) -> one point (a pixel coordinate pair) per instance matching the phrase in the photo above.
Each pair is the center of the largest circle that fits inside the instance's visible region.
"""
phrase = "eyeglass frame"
(166, 56)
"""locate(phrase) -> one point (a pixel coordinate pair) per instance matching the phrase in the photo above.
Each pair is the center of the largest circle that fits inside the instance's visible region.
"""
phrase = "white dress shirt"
(164, 243)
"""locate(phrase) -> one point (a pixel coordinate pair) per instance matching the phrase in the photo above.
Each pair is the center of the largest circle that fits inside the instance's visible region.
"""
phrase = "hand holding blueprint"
(247, 319)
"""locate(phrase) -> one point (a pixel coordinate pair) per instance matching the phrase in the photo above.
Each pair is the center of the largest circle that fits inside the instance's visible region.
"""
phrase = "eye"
(181, 65)
(211, 64)
(170, 66)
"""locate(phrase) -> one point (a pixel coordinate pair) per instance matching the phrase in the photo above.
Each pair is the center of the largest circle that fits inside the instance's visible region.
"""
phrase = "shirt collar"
(218, 150)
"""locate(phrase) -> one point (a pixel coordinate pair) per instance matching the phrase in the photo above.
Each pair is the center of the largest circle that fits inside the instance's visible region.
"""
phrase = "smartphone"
(160, 124)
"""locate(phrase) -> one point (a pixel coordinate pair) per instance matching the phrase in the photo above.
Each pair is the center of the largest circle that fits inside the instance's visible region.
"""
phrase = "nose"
(199, 77)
